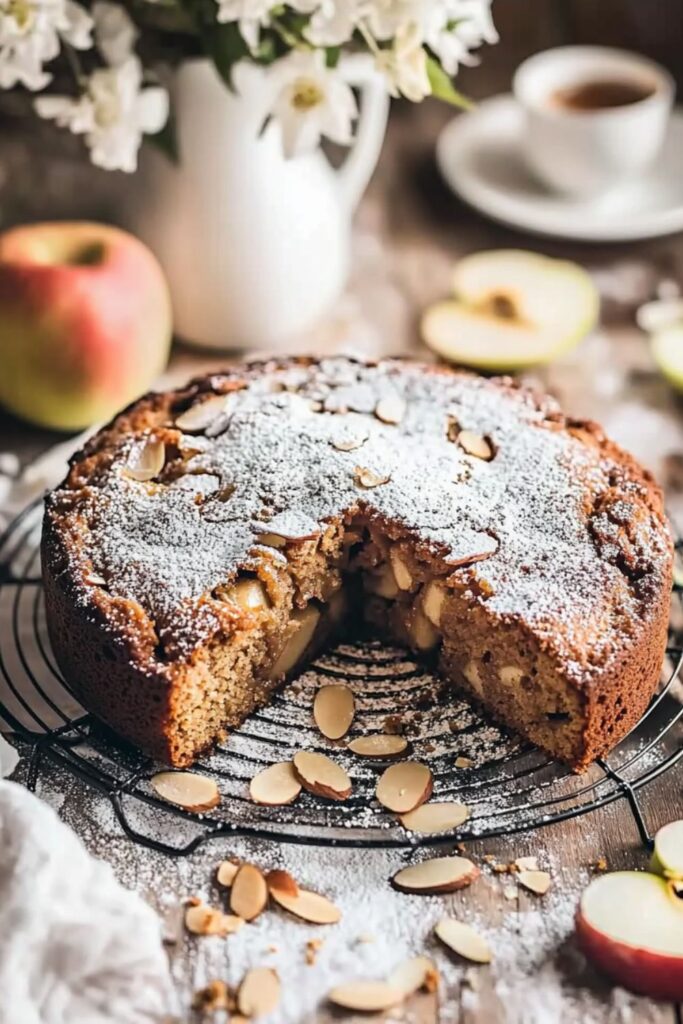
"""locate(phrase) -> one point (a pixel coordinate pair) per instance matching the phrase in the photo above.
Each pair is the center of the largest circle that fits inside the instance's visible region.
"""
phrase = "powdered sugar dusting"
(272, 460)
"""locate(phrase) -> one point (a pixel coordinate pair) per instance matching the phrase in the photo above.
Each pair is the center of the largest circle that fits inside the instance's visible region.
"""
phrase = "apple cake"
(210, 539)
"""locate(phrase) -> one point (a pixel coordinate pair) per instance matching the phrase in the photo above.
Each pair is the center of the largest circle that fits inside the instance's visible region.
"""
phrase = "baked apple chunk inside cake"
(209, 541)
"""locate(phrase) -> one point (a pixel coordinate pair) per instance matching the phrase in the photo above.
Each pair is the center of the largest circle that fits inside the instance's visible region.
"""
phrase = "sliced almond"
(185, 789)
(333, 710)
(294, 649)
(412, 975)
(390, 409)
(249, 892)
(475, 445)
(367, 478)
(146, 460)
(309, 906)
(225, 873)
(463, 940)
(259, 992)
(366, 996)
(95, 580)
(463, 762)
(275, 786)
(320, 775)
(380, 745)
(402, 574)
(281, 881)
(202, 414)
(403, 787)
(433, 597)
(204, 920)
(440, 874)
(271, 540)
(526, 863)
(437, 817)
(422, 632)
(350, 443)
(535, 881)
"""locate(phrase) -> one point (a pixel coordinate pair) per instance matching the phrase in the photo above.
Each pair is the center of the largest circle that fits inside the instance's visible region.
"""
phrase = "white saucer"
(480, 156)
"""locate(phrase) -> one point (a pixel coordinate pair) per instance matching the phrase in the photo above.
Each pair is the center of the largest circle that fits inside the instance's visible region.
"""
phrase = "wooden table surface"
(408, 232)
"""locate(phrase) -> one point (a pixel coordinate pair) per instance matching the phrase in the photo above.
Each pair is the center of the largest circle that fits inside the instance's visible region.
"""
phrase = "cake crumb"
(214, 996)
(313, 947)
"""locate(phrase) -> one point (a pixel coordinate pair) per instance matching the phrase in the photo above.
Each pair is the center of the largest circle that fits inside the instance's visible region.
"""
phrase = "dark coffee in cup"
(601, 94)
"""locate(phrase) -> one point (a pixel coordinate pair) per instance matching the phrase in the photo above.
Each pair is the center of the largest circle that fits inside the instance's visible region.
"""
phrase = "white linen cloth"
(75, 946)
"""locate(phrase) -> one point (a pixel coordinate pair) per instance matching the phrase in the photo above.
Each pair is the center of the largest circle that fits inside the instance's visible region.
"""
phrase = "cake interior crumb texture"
(210, 540)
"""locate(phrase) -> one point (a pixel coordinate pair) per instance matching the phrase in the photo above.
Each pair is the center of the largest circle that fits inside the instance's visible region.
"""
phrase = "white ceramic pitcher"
(255, 246)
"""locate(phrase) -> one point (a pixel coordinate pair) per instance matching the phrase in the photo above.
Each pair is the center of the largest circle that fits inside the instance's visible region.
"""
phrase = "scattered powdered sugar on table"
(537, 975)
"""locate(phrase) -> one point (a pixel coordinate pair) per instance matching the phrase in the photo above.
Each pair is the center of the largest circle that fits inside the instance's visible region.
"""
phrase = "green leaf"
(167, 140)
(443, 88)
(332, 55)
(225, 46)
(222, 43)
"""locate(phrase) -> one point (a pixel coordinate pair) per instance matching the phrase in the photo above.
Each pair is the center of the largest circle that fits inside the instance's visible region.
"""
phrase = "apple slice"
(667, 352)
(667, 858)
(512, 309)
(630, 926)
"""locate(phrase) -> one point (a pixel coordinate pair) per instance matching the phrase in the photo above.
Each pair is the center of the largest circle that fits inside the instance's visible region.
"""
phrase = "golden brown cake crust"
(560, 535)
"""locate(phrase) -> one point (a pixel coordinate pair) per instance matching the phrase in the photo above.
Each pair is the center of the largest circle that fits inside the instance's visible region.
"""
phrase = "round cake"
(209, 540)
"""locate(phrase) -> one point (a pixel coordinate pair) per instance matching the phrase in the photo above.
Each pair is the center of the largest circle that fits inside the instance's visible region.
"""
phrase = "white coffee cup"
(584, 152)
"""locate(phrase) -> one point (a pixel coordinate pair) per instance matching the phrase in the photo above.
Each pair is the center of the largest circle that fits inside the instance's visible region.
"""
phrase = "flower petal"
(115, 32)
(152, 109)
(79, 26)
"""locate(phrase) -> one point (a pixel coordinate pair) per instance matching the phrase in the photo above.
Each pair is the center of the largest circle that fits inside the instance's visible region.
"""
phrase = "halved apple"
(667, 352)
(512, 309)
(630, 925)
(667, 858)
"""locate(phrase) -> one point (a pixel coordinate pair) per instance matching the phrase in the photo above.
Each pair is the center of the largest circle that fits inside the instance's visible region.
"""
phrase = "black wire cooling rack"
(508, 785)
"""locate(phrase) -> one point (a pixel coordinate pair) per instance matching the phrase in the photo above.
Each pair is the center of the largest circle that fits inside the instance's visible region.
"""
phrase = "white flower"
(455, 27)
(30, 34)
(115, 33)
(386, 17)
(451, 28)
(252, 15)
(308, 6)
(313, 100)
(405, 65)
(113, 113)
(334, 23)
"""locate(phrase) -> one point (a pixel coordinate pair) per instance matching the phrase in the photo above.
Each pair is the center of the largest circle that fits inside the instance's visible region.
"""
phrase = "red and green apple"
(630, 926)
(85, 322)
